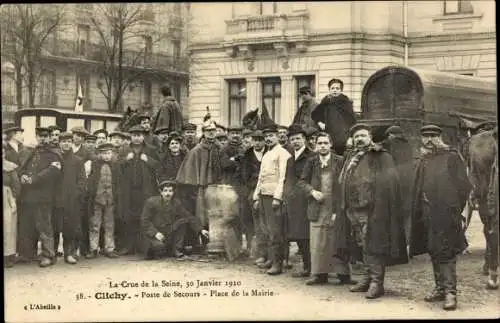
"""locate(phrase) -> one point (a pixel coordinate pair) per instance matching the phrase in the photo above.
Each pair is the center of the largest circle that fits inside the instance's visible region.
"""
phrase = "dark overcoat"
(338, 116)
(296, 200)
(310, 179)
(303, 114)
(170, 164)
(231, 169)
(441, 180)
(70, 193)
(201, 166)
(169, 115)
(17, 157)
(385, 234)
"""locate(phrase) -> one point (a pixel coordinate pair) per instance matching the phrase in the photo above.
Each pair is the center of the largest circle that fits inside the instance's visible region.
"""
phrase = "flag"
(79, 99)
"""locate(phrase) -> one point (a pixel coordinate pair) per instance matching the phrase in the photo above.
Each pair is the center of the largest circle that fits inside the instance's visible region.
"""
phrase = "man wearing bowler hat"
(370, 198)
(39, 174)
(440, 192)
(268, 195)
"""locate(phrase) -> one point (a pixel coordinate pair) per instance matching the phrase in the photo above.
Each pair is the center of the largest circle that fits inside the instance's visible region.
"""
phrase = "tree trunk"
(119, 84)
(19, 87)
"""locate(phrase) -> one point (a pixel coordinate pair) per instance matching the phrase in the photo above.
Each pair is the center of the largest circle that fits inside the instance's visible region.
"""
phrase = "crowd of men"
(321, 183)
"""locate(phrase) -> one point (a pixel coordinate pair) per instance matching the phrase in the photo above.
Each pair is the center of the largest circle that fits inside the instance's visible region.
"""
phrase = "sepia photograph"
(249, 161)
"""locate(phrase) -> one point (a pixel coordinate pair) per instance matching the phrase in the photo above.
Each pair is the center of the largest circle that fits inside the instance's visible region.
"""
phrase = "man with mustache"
(370, 197)
(439, 196)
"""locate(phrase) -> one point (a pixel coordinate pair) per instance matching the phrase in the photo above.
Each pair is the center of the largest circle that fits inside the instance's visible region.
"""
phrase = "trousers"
(63, 223)
(36, 224)
(273, 227)
(174, 240)
(103, 216)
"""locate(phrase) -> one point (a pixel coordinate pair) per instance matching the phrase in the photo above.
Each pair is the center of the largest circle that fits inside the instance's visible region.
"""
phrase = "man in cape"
(170, 114)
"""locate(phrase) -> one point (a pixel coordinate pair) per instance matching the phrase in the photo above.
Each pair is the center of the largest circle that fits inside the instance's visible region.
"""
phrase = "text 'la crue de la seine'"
(123, 290)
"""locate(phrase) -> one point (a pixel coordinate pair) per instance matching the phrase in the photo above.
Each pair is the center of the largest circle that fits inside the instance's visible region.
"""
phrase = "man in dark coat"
(370, 196)
(170, 113)
(400, 149)
(295, 199)
(79, 149)
(439, 196)
(303, 114)
(335, 115)
(69, 200)
(164, 222)
(162, 135)
(55, 131)
(189, 134)
(39, 174)
(150, 137)
(101, 136)
(15, 152)
(140, 167)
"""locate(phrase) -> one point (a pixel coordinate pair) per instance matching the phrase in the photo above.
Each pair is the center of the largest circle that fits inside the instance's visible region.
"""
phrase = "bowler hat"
(189, 126)
(393, 130)
(296, 129)
(137, 129)
(305, 89)
(65, 135)
(12, 129)
(270, 128)
(104, 131)
(166, 183)
(359, 126)
(431, 130)
(162, 130)
(105, 146)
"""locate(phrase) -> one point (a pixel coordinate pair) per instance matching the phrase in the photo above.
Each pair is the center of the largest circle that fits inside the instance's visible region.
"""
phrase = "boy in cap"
(163, 135)
(164, 222)
(103, 185)
(68, 208)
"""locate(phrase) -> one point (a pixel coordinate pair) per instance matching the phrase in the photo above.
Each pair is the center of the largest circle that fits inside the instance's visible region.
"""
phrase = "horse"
(481, 152)
(130, 118)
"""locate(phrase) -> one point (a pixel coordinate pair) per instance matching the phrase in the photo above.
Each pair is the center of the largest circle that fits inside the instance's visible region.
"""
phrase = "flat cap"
(235, 128)
(166, 183)
(270, 128)
(42, 131)
(104, 131)
(162, 130)
(393, 130)
(189, 126)
(91, 137)
(258, 134)
(431, 129)
(65, 135)
(126, 135)
(137, 129)
(335, 80)
(116, 134)
(296, 129)
(247, 132)
(105, 146)
(80, 130)
(12, 129)
(359, 126)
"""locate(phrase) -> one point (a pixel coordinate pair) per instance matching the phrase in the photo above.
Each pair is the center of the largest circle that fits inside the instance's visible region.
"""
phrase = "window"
(148, 48)
(268, 8)
(176, 45)
(237, 101)
(8, 87)
(271, 95)
(305, 80)
(148, 92)
(457, 7)
(47, 88)
(83, 39)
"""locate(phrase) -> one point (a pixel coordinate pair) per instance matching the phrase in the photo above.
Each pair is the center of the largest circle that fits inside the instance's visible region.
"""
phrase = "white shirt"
(75, 148)
(324, 160)
(15, 145)
(299, 152)
(272, 173)
(259, 154)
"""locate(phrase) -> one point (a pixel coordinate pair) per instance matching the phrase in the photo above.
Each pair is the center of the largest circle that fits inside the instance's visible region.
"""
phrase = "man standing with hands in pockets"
(269, 196)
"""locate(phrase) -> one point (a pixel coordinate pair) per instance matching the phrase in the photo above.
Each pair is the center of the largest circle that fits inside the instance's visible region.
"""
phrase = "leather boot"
(318, 279)
(275, 269)
(437, 294)
(265, 265)
(364, 283)
(449, 273)
(376, 288)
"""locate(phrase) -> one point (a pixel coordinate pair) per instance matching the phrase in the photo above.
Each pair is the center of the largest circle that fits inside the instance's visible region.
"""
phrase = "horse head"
(130, 118)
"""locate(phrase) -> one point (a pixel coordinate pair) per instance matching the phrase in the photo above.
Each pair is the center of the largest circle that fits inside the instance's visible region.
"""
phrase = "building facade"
(247, 55)
(76, 56)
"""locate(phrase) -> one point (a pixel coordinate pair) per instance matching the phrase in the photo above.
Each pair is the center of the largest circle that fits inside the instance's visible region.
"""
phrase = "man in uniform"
(268, 195)
(162, 134)
(440, 193)
(91, 143)
(39, 174)
(69, 200)
(189, 134)
(370, 196)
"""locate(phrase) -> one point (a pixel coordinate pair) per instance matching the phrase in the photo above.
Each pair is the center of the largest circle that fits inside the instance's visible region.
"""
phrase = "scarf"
(353, 162)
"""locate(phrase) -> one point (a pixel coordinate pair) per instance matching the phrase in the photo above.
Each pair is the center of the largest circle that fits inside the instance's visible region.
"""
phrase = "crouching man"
(164, 223)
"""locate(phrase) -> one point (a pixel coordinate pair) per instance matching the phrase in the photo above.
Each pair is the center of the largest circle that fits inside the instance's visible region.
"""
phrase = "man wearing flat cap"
(440, 192)
(335, 115)
(170, 112)
(371, 199)
(69, 200)
(303, 115)
(140, 167)
(268, 195)
(189, 134)
(39, 174)
(164, 223)
(15, 152)
(200, 168)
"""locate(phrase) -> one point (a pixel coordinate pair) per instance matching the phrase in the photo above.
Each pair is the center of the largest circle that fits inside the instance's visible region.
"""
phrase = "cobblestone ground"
(27, 286)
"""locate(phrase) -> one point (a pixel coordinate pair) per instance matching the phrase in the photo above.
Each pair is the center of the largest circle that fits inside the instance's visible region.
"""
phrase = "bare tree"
(26, 29)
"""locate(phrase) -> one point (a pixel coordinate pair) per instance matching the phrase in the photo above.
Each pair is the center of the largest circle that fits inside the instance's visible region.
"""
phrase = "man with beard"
(39, 174)
(164, 222)
(268, 195)
(69, 200)
(102, 136)
(55, 131)
(439, 196)
(250, 167)
(230, 156)
(296, 200)
(303, 115)
(328, 226)
(140, 166)
(189, 134)
(169, 114)
(335, 115)
(370, 197)
(200, 168)
(149, 137)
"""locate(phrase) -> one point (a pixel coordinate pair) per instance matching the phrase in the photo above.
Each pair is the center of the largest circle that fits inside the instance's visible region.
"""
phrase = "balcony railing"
(260, 23)
(68, 49)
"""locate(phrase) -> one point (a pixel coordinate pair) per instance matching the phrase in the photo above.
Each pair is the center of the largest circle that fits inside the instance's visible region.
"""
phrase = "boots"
(438, 292)
(364, 283)
(318, 279)
(449, 274)
(376, 274)
(492, 283)
(275, 268)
